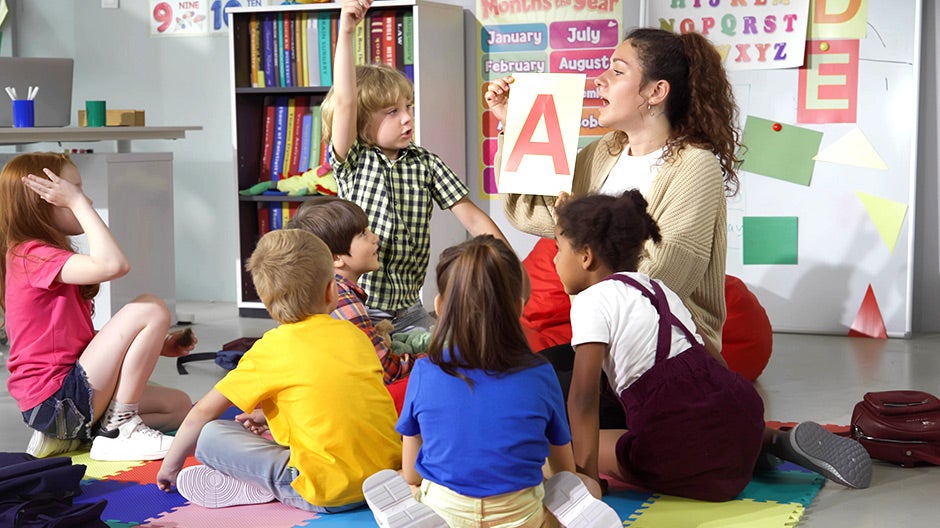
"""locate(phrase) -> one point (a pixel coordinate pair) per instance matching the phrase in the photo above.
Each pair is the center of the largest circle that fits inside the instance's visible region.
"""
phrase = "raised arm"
(105, 259)
(345, 92)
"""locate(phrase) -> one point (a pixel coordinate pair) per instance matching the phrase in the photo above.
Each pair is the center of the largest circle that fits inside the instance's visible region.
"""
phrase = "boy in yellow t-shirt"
(330, 416)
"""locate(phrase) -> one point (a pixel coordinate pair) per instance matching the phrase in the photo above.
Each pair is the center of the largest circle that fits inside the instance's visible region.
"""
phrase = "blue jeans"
(226, 446)
(405, 320)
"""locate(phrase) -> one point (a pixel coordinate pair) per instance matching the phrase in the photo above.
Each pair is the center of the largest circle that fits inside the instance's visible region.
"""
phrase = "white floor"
(809, 378)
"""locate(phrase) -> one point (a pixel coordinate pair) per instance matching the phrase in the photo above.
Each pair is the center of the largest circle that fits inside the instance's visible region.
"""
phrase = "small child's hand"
(353, 11)
(179, 343)
(255, 421)
(166, 478)
(55, 190)
(497, 97)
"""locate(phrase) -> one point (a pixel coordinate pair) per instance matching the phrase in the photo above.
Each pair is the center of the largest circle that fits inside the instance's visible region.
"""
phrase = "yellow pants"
(519, 509)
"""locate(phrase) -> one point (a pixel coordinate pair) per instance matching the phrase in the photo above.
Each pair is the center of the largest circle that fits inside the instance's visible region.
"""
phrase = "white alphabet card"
(543, 121)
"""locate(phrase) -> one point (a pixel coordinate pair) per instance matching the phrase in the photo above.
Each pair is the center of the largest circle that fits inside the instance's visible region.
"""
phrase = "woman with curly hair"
(669, 101)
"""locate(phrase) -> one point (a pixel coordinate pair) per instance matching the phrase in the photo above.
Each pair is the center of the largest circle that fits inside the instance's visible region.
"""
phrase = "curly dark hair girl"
(614, 227)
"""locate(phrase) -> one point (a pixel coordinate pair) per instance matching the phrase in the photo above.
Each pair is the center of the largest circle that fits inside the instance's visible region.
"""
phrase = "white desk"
(133, 193)
(123, 135)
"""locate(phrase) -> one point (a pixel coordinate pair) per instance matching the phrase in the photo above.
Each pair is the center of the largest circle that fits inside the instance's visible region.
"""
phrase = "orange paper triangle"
(868, 321)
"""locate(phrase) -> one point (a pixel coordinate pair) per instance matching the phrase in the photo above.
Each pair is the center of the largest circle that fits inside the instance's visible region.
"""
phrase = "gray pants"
(226, 446)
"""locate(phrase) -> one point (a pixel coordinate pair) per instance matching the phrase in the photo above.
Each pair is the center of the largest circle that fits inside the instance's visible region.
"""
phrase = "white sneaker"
(42, 446)
(204, 486)
(390, 499)
(572, 504)
(130, 441)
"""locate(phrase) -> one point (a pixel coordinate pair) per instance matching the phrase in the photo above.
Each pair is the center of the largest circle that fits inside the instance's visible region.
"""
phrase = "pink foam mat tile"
(268, 515)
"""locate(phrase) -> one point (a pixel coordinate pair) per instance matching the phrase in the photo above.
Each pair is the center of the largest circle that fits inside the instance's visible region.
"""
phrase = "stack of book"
(296, 49)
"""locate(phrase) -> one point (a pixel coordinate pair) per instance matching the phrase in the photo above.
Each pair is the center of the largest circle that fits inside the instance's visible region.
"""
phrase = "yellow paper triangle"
(852, 149)
(887, 215)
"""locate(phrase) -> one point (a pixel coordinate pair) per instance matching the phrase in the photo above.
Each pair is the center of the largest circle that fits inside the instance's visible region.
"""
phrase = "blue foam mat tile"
(129, 501)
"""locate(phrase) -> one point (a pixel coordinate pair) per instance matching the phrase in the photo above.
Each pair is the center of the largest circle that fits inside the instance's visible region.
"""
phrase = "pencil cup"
(24, 113)
(96, 113)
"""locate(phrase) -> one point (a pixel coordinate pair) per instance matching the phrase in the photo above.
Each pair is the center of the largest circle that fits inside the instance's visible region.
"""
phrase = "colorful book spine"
(268, 47)
(264, 219)
(276, 214)
(300, 108)
(288, 138)
(301, 25)
(313, 50)
(267, 140)
(326, 58)
(408, 44)
(316, 136)
(362, 48)
(388, 38)
(375, 38)
(279, 50)
(334, 34)
(288, 51)
(399, 41)
(254, 52)
(306, 129)
(280, 135)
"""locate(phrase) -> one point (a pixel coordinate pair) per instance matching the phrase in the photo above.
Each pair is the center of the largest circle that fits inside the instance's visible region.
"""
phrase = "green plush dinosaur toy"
(314, 181)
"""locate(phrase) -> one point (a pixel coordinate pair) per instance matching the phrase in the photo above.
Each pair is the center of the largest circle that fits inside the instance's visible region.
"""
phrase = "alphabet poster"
(543, 36)
(755, 35)
(541, 137)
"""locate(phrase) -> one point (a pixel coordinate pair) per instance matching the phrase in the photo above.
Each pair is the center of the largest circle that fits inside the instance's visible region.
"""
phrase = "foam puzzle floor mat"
(775, 498)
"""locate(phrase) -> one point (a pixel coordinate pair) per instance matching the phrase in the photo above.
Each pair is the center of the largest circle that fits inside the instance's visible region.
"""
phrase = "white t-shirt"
(619, 315)
(633, 172)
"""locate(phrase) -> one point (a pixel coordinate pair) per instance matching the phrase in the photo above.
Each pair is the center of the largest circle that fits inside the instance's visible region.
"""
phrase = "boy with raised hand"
(368, 121)
(330, 416)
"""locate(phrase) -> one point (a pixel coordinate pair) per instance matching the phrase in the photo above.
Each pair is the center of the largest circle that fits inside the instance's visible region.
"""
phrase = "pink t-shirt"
(48, 323)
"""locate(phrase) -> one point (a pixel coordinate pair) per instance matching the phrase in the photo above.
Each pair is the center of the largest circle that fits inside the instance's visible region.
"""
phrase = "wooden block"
(117, 118)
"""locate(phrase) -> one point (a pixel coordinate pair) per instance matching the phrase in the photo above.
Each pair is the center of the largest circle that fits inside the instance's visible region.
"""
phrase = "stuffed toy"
(414, 342)
(314, 181)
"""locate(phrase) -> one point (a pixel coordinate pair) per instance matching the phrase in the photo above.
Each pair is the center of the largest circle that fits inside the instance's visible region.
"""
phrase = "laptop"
(53, 76)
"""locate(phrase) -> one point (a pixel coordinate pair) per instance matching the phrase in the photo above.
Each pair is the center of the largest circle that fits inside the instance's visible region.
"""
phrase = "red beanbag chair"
(747, 337)
(546, 317)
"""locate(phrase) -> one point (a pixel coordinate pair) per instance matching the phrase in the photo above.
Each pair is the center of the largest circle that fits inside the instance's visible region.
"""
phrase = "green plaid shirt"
(397, 197)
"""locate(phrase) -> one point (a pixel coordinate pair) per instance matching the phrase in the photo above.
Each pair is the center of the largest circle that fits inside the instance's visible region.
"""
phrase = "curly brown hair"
(700, 106)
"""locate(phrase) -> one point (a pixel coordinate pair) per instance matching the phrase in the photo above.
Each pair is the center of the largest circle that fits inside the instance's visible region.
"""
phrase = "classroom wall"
(184, 81)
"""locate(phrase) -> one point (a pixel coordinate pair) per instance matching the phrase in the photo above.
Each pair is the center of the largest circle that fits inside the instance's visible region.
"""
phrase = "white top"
(618, 315)
(633, 172)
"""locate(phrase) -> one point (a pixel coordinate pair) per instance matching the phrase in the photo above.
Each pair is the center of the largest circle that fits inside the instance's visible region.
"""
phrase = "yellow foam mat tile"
(674, 512)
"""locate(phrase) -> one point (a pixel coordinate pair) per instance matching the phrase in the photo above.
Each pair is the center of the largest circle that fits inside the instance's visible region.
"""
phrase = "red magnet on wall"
(777, 127)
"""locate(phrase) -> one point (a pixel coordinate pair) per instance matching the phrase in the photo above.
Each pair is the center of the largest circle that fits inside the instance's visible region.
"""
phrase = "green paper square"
(770, 239)
(785, 154)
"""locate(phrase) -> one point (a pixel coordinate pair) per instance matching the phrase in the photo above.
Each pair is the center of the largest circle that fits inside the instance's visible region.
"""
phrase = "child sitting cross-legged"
(321, 394)
(482, 414)
(344, 227)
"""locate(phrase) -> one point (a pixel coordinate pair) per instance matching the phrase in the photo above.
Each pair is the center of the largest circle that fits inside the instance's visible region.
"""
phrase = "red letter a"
(544, 106)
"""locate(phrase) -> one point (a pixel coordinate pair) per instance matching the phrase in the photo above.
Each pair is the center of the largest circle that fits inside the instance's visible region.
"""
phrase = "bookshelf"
(438, 74)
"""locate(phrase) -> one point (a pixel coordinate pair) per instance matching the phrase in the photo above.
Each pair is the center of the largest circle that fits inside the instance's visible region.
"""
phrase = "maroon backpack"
(901, 426)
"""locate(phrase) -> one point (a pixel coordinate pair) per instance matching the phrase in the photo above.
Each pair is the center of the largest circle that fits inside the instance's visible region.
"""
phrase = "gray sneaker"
(838, 458)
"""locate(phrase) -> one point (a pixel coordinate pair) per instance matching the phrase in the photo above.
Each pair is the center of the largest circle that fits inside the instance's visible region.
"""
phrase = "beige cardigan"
(687, 200)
